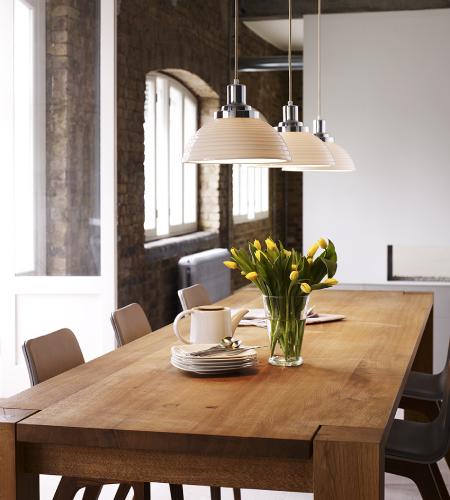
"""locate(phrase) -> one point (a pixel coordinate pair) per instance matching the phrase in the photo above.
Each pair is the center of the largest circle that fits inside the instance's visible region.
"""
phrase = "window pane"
(236, 189)
(265, 189)
(56, 140)
(243, 202)
(190, 171)
(175, 154)
(251, 192)
(150, 153)
(24, 127)
(162, 156)
(257, 189)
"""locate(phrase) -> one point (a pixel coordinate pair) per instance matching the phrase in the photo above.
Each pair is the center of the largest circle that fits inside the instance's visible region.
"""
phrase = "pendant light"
(342, 160)
(236, 134)
(307, 151)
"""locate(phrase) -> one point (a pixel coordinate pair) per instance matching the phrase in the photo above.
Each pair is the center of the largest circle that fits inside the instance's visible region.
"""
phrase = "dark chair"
(414, 448)
(51, 355)
(425, 386)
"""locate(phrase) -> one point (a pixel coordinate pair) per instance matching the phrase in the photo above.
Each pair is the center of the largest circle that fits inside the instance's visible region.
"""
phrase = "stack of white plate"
(219, 362)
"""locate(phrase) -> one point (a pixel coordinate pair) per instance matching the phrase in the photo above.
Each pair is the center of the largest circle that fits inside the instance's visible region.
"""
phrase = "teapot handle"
(175, 325)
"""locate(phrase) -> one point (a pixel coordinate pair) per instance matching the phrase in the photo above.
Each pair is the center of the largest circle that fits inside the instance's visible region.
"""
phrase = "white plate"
(212, 371)
(182, 351)
(212, 366)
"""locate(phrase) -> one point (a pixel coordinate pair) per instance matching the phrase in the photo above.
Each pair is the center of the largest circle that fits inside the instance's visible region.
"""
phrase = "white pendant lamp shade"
(236, 140)
(343, 161)
(237, 134)
(307, 152)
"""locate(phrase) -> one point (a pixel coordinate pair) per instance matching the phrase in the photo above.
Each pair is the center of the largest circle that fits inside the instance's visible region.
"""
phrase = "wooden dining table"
(130, 416)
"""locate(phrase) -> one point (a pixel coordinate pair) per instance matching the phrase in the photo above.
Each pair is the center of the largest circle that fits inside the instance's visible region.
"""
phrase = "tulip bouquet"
(286, 278)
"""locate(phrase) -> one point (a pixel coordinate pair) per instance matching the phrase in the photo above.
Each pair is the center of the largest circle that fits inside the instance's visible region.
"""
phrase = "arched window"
(250, 192)
(170, 120)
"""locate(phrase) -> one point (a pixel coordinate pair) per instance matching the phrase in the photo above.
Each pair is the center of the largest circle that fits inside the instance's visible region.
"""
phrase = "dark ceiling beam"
(269, 63)
(278, 9)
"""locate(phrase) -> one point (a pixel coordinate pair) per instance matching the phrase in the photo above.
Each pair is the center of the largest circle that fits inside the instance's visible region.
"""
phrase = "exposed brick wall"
(72, 174)
(191, 36)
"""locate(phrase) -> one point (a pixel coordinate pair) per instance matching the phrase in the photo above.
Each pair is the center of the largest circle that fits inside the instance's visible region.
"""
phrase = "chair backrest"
(439, 435)
(194, 296)
(51, 354)
(129, 323)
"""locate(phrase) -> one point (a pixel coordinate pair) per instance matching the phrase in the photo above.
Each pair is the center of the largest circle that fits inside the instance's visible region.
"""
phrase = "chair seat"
(420, 442)
(425, 386)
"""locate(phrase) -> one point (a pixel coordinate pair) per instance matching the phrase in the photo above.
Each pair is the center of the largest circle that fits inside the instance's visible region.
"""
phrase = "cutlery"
(224, 350)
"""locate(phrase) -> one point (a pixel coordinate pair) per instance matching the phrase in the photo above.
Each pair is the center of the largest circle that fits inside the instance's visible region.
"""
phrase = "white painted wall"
(385, 96)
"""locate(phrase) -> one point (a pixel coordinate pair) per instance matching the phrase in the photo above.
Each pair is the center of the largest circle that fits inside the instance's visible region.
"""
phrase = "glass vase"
(286, 318)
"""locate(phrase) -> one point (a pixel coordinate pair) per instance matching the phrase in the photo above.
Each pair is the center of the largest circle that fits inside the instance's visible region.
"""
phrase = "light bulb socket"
(236, 106)
(290, 121)
(320, 130)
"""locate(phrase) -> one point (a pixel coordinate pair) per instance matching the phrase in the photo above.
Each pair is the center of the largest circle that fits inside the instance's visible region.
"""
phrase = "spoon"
(230, 343)
(227, 343)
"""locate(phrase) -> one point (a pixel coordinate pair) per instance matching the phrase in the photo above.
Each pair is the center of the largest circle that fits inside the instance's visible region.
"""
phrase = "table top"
(352, 376)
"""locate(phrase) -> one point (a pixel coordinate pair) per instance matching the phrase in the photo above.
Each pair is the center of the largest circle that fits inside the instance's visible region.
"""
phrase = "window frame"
(151, 234)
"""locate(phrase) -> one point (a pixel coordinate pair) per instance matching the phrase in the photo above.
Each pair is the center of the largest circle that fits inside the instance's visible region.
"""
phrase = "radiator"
(207, 269)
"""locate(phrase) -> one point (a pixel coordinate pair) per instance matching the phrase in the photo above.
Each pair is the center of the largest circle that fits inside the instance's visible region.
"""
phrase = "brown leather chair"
(51, 355)
(129, 323)
(194, 296)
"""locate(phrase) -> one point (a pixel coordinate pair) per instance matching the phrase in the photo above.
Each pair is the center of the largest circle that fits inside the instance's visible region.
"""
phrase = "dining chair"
(414, 448)
(51, 355)
(194, 296)
(424, 391)
(129, 323)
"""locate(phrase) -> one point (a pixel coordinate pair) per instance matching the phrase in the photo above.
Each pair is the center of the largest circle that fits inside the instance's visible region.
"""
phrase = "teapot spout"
(236, 318)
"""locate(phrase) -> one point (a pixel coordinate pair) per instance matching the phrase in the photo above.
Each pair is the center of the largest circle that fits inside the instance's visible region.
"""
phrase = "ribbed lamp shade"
(307, 152)
(343, 161)
(236, 140)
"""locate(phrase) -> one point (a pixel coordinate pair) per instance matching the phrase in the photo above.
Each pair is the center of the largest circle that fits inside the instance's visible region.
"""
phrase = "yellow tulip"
(293, 276)
(252, 276)
(230, 264)
(294, 267)
(270, 244)
(257, 244)
(243, 273)
(331, 281)
(305, 288)
(313, 249)
(323, 243)
(310, 260)
(287, 253)
(233, 252)
(258, 255)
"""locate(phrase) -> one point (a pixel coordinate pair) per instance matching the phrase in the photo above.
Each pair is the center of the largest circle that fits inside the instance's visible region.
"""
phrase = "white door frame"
(12, 369)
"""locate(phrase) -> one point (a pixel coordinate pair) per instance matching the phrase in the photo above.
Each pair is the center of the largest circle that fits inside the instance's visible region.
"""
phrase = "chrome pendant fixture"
(307, 151)
(236, 134)
(342, 160)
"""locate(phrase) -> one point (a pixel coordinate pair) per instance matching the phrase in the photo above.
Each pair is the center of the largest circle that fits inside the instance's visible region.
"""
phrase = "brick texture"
(190, 40)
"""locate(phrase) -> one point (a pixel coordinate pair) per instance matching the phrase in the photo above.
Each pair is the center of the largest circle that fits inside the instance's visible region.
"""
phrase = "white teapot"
(209, 324)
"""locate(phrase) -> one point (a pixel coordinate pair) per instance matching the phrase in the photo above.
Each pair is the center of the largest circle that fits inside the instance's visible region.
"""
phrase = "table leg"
(346, 461)
(15, 484)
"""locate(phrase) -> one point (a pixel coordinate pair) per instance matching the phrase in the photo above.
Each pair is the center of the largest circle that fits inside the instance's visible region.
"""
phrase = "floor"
(397, 488)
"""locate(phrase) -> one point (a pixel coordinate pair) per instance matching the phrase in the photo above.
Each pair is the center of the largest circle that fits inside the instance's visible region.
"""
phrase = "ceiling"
(278, 9)
(275, 32)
